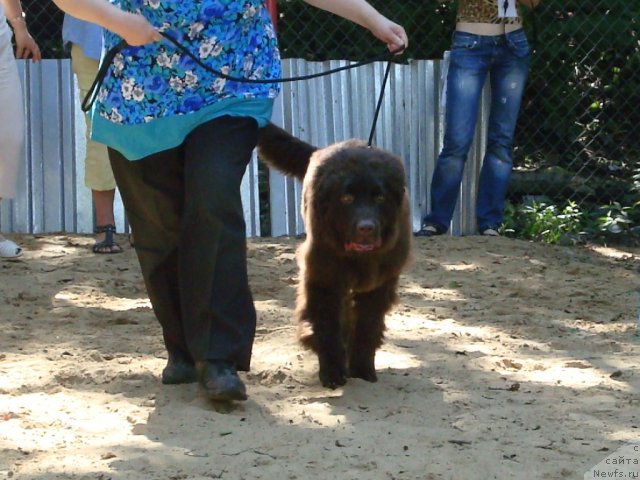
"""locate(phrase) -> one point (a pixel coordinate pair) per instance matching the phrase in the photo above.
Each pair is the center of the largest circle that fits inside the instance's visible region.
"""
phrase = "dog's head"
(355, 198)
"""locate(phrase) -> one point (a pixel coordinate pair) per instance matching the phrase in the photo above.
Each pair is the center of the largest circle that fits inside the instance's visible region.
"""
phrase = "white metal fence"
(52, 196)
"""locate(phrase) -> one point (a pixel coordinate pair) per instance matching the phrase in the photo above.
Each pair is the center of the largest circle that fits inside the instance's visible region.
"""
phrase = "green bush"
(546, 223)
(580, 108)
(570, 224)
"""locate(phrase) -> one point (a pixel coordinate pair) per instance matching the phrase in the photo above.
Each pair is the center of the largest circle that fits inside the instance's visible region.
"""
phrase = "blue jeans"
(506, 59)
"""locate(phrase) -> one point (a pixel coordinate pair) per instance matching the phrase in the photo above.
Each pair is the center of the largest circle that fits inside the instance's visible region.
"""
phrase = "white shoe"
(490, 232)
(9, 249)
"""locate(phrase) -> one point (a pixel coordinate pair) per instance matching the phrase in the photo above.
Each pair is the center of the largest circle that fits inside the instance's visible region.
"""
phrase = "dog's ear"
(395, 177)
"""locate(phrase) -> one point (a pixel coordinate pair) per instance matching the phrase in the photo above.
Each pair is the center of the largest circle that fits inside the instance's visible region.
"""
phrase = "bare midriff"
(487, 28)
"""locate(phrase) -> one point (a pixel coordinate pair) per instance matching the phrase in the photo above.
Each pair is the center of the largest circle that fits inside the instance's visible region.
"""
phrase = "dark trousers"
(185, 209)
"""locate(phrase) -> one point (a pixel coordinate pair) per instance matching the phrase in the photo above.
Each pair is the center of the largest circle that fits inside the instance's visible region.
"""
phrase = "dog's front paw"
(332, 375)
(332, 361)
(367, 373)
(362, 365)
(333, 371)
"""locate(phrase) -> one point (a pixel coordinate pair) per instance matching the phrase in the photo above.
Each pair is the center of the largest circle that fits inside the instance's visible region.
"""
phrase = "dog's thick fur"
(358, 234)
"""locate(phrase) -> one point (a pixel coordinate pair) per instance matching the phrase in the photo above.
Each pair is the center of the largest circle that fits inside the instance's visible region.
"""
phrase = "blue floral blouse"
(154, 95)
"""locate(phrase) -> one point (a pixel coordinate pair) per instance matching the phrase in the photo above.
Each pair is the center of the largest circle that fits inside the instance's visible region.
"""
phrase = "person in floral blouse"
(180, 139)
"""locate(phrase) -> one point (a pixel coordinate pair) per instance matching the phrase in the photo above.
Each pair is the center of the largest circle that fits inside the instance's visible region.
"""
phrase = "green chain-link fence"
(577, 154)
(45, 24)
(578, 142)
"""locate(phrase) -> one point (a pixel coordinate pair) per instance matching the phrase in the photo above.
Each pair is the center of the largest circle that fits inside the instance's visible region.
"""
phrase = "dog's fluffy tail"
(284, 152)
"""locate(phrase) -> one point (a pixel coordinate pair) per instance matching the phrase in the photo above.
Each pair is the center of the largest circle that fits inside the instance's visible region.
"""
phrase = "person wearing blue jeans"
(488, 41)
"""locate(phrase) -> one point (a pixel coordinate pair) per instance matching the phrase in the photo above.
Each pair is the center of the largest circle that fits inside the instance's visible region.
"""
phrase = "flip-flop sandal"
(9, 249)
(108, 245)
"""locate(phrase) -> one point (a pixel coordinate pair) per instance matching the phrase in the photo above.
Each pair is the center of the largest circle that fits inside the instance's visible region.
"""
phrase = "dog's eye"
(379, 199)
(346, 199)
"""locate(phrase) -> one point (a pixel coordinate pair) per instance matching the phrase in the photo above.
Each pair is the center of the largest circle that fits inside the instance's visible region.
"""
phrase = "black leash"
(88, 100)
(90, 97)
(375, 115)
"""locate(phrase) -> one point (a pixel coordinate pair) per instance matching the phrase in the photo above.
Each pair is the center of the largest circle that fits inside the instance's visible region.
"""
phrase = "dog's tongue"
(359, 247)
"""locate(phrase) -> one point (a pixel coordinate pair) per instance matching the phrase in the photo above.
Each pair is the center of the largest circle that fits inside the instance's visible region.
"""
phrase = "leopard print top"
(488, 11)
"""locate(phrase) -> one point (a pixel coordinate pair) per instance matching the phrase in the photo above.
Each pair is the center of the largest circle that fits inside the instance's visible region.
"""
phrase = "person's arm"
(135, 29)
(26, 46)
(362, 13)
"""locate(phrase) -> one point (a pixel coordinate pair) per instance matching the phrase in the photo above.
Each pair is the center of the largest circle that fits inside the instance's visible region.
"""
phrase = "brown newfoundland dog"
(358, 234)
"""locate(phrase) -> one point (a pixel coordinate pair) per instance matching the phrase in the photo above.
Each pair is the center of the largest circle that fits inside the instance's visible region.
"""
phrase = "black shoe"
(220, 381)
(429, 230)
(179, 369)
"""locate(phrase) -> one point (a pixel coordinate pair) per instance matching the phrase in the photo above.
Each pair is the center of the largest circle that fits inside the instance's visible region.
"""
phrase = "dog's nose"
(366, 227)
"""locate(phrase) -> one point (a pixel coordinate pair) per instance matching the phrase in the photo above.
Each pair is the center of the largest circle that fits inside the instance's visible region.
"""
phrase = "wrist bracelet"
(22, 17)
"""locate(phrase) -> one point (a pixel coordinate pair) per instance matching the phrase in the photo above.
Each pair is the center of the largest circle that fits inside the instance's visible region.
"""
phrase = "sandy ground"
(504, 359)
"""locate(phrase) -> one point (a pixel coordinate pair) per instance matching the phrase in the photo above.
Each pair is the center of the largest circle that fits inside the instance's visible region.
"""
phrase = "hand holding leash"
(136, 30)
(392, 34)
